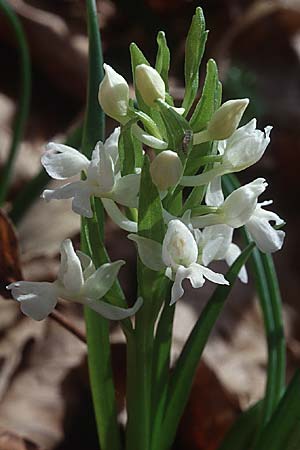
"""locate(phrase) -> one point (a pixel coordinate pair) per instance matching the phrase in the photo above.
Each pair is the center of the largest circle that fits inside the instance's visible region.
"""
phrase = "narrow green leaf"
(24, 96)
(150, 223)
(194, 49)
(178, 130)
(209, 100)
(127, 151)
(185, 369)
(240, 435)
(162, 64)
(93, 130)
(283, 431)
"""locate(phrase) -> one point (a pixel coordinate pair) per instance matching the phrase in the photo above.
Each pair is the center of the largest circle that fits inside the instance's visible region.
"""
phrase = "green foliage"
(194, 49)
(24, 96)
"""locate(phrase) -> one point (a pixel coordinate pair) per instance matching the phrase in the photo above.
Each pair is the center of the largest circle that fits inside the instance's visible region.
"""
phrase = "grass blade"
(24, 96)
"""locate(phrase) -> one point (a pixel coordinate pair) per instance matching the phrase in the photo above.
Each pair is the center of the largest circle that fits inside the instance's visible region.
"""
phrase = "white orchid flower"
(237, 208)
(215, 244)
(178, 256)
(103, 177)
(243, 149)
(77, 281)
(242, 208)
(267, 238)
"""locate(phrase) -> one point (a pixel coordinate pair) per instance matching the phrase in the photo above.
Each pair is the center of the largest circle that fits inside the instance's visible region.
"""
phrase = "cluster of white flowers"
(191, 241)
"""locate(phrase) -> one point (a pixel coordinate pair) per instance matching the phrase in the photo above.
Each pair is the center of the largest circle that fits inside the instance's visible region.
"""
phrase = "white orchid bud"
(226, 119)
(179, 245)
(114, 94)
(150, 84)
(166, 169)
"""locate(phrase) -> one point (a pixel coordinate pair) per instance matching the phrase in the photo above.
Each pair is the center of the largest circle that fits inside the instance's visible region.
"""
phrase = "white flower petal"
(177, 289)
(61, 161)
(126, 190)
(211, 250)
(70, 271)
(179, 245)
(80, 191)
(224, 232)
(148, 139)
(150, 252)
(212, 276)
(232, 254)
(241, 203)
(111, 147)
(196, 274)
(267, 239)
(86, 264)
(116, 215)
(112, 312)
(38, 299)
(100, 173)
(214, 194)
(267, 215)
(100, 282)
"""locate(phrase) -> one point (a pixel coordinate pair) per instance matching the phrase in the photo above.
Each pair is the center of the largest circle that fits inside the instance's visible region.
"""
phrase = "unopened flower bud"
(226, 119)
(166, 170)
(150, 84)
(114, 94)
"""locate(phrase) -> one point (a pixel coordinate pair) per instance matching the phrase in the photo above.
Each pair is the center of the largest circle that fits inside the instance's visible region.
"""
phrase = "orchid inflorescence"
(196, 232)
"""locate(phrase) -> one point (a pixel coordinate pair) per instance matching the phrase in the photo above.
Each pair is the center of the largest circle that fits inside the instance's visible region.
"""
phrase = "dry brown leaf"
(209, 413)
(10, 441)
(10, 268)
(34, 405)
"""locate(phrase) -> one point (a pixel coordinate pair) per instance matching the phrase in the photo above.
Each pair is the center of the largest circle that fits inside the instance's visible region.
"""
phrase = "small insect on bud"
(226, 119)
(150, 84)
(114, 94)
(166, 170)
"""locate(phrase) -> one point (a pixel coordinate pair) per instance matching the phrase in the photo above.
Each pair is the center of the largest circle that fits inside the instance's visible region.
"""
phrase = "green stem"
(144, 352)
(161, 370)
(99, 354)
(25, 92)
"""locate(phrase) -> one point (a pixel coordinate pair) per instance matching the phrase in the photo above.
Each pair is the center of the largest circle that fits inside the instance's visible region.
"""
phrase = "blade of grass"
(24, 96)
(240, 435)
(282, 431)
